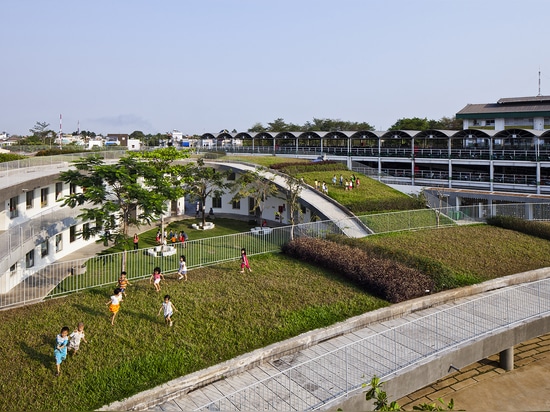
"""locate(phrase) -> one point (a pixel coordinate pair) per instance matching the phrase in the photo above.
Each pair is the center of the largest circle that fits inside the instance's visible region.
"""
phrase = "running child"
(182, 271)
(123, 283)
(168, 308)
(76, 337)
(114, 304)
(156, 277)
(244, 261)
(60, 350)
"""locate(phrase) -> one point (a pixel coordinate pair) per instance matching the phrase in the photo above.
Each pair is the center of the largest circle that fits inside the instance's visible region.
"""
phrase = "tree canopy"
(253, 184)
(321, 125)
(115, 196)
(416, 123)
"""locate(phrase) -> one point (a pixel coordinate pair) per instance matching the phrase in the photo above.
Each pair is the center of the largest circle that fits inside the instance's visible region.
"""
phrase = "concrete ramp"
(330, 209)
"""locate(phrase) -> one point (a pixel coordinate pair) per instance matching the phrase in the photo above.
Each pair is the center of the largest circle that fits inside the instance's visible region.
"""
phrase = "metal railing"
(67, 277)
(328, 378)
(63, 278)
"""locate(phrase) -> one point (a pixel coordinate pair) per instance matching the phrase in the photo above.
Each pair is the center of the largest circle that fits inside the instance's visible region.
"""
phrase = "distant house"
(116, 140)
(134, 144)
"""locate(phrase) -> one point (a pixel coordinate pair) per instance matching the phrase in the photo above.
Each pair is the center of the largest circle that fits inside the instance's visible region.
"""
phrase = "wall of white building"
(46, 231)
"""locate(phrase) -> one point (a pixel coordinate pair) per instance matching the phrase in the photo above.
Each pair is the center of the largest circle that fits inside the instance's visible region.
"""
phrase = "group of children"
(65, 342)
(173, 237)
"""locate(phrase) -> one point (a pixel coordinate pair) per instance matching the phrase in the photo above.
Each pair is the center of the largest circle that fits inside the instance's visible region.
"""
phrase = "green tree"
(137, 134)
(253, 184)
(40, 134)
(293, 191)
(201, 182)
(116, 196)
(414, 123)
(277, 125)
(449, 123)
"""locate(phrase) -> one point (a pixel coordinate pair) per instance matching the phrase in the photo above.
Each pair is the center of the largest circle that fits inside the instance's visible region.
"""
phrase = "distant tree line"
(333, 125)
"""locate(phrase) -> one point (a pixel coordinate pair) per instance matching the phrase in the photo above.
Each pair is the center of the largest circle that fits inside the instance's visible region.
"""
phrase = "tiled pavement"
(485, 386)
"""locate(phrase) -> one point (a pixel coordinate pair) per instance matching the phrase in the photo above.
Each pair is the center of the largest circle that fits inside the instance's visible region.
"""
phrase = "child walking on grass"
(60, 350)
(182, 271)
(76, 337)
(244, 261)
(114, 304)
(168, 308)
(156, 277)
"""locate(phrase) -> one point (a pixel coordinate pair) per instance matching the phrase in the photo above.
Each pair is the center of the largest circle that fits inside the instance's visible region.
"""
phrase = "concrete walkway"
(217, 388)
(331, 209)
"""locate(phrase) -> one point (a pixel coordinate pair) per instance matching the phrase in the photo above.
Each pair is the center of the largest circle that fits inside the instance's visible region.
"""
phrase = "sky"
(203, 66)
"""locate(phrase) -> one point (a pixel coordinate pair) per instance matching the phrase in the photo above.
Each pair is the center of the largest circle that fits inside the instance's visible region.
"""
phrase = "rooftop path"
(331, 209)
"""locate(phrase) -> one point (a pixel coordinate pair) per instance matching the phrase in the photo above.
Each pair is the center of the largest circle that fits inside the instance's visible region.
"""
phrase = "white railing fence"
(328, 378)
(67, 277)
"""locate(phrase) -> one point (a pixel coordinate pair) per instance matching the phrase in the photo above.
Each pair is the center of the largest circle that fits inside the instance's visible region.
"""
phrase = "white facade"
(35, 230)
(38, 231)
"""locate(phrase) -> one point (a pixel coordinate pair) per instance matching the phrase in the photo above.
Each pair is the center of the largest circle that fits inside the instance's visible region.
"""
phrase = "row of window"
(45, 248)
(30, 196)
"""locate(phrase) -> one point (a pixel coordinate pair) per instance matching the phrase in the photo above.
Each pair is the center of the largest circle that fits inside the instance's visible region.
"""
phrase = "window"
(30, 199)
(72, 189)
(72, 234)
(236, 204)
(13, 269)
(58, 190)
(29, 259)
(13, 207)
(44, 248)
(85, 228)
(217, 202)
(59, 242)
(251, 204)
(44, 197)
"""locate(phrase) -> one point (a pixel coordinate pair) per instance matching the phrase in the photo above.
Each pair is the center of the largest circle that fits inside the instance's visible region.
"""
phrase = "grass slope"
(222, 314)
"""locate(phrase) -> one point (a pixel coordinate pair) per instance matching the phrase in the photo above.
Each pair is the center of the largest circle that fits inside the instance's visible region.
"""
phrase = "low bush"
(384, 205)
(214, 154)
(57, 151)
(528, 227)
(8, 157)
(389, 280)
(304, 167)
(443, 276)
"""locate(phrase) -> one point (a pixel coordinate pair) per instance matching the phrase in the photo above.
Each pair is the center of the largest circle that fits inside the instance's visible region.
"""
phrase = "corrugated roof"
(528, 99)
(504, 108)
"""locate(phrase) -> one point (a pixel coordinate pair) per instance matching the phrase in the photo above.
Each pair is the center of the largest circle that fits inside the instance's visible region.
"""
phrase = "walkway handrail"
(319, 381)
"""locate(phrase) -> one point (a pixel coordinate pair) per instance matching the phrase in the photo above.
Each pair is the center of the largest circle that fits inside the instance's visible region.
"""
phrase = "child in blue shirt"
(60, 351)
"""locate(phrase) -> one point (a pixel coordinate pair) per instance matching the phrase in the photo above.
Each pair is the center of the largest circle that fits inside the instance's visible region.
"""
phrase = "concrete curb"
(188, 383)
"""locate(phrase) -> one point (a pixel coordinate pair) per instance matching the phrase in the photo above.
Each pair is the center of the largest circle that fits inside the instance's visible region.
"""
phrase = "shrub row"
(443, 276)
(8, 157)
(389, 280)
(529, 227)
(385, 205)
(304, 167)
(65, 150)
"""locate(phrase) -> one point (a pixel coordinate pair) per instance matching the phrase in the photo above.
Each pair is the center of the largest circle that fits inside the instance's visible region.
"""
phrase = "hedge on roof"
(384, 278)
